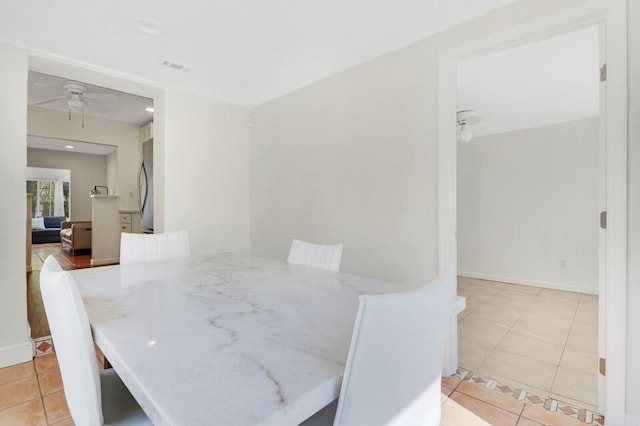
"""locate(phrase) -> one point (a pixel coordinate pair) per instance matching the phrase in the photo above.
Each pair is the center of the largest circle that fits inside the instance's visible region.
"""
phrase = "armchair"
(75, 235)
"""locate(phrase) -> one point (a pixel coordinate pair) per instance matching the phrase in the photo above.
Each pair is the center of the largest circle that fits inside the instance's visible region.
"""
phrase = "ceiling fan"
(78, 98)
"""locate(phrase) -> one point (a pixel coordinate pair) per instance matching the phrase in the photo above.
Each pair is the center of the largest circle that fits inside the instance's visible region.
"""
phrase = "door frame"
(612, 16)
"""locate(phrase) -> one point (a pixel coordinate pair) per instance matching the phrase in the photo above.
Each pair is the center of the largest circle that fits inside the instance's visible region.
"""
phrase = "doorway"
(612, 304)
(528, 195)
(95, 132)
(72, 119)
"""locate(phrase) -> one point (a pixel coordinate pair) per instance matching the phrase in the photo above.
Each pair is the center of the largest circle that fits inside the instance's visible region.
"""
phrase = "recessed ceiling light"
(149, 26)
(149, 109)
(69, 146)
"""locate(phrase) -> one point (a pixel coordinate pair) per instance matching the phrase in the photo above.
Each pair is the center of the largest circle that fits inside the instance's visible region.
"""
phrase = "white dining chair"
(94, 397)
(325, 256)
(393, 371)
(140, 248)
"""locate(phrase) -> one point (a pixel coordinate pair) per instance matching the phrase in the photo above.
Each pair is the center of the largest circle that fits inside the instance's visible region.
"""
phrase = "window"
(44, 197)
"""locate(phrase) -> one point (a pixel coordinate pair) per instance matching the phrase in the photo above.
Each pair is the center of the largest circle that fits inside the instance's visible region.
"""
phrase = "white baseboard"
(533, 283)
(16, 354)
(107, 261)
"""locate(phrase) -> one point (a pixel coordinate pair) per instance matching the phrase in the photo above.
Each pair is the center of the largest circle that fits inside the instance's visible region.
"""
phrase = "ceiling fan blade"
(46, 101)
(100, 96)
(94, 105)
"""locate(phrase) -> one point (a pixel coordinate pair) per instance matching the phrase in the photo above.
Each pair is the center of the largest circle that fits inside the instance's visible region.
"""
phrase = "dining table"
(226, 339)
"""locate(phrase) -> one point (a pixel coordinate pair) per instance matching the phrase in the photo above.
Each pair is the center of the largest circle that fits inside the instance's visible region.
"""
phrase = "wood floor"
(39, 253)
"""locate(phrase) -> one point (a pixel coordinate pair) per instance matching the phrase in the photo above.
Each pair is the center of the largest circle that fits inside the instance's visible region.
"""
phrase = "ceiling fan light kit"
(464, 133)
(75, 104)
(74, 88)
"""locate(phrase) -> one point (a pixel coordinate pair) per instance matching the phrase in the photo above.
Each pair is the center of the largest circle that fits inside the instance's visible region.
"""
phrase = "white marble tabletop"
(225, 339)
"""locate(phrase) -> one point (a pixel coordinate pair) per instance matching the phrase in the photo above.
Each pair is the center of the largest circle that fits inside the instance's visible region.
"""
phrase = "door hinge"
(603, 220)
(603, 72)
(602, 366)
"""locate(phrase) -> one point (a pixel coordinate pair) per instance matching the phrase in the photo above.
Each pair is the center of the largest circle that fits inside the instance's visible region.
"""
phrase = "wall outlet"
(563, 263)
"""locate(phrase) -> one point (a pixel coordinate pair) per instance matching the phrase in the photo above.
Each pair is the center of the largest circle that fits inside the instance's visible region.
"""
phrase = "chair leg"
(450, 364)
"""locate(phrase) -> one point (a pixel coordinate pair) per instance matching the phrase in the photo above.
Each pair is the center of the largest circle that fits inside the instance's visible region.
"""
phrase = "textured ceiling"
(248, 52)
(245, 52)
(550, 81)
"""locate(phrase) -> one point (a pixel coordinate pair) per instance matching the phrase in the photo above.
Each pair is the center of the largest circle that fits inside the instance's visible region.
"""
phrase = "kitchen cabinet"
(130, 221)
(105, 230)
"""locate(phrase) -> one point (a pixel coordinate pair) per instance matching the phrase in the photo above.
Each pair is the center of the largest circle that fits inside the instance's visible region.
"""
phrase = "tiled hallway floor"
(466, 402)
(543, 341)
(31, 394)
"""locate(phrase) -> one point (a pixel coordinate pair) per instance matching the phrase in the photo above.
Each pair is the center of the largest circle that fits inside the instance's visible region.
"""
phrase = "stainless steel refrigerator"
(145, 182)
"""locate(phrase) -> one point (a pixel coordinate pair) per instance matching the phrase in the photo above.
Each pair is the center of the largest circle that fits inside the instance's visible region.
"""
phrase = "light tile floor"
(544, 341)
(465, 403)
(31, 394)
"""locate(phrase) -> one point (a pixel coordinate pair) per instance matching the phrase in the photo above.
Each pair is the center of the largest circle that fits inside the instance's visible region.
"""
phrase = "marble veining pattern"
(226, 339)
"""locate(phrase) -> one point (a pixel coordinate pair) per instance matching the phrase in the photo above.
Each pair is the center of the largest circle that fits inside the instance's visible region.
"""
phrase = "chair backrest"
(393, 370)
(325, 256)
(73, 343)
(139, 248)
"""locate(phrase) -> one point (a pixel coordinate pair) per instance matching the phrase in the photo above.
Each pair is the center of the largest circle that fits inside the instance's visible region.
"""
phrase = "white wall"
(43, 173)
(206, 172)
(112, 172)
(527, 201)
(15, 342)
(126, 136)
(633, 230)
(87, 170)
(351, 160)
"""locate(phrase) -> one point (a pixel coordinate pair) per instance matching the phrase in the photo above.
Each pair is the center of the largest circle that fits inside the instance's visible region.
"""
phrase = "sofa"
(46, 229)
(75, 235)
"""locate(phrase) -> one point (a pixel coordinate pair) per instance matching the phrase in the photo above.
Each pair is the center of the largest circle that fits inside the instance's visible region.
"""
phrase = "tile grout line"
(521, 413)
(514, 323)
(539, 297)
(44, 407)
(564, 348)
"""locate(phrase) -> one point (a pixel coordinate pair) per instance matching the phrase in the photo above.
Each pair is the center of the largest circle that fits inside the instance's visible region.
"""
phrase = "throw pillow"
(37, 223)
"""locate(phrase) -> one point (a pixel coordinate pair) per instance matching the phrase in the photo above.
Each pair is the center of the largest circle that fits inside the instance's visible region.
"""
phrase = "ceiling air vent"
(174, 66)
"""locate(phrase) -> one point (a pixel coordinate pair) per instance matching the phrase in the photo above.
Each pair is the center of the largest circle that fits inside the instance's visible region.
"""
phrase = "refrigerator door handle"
(142, 202)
